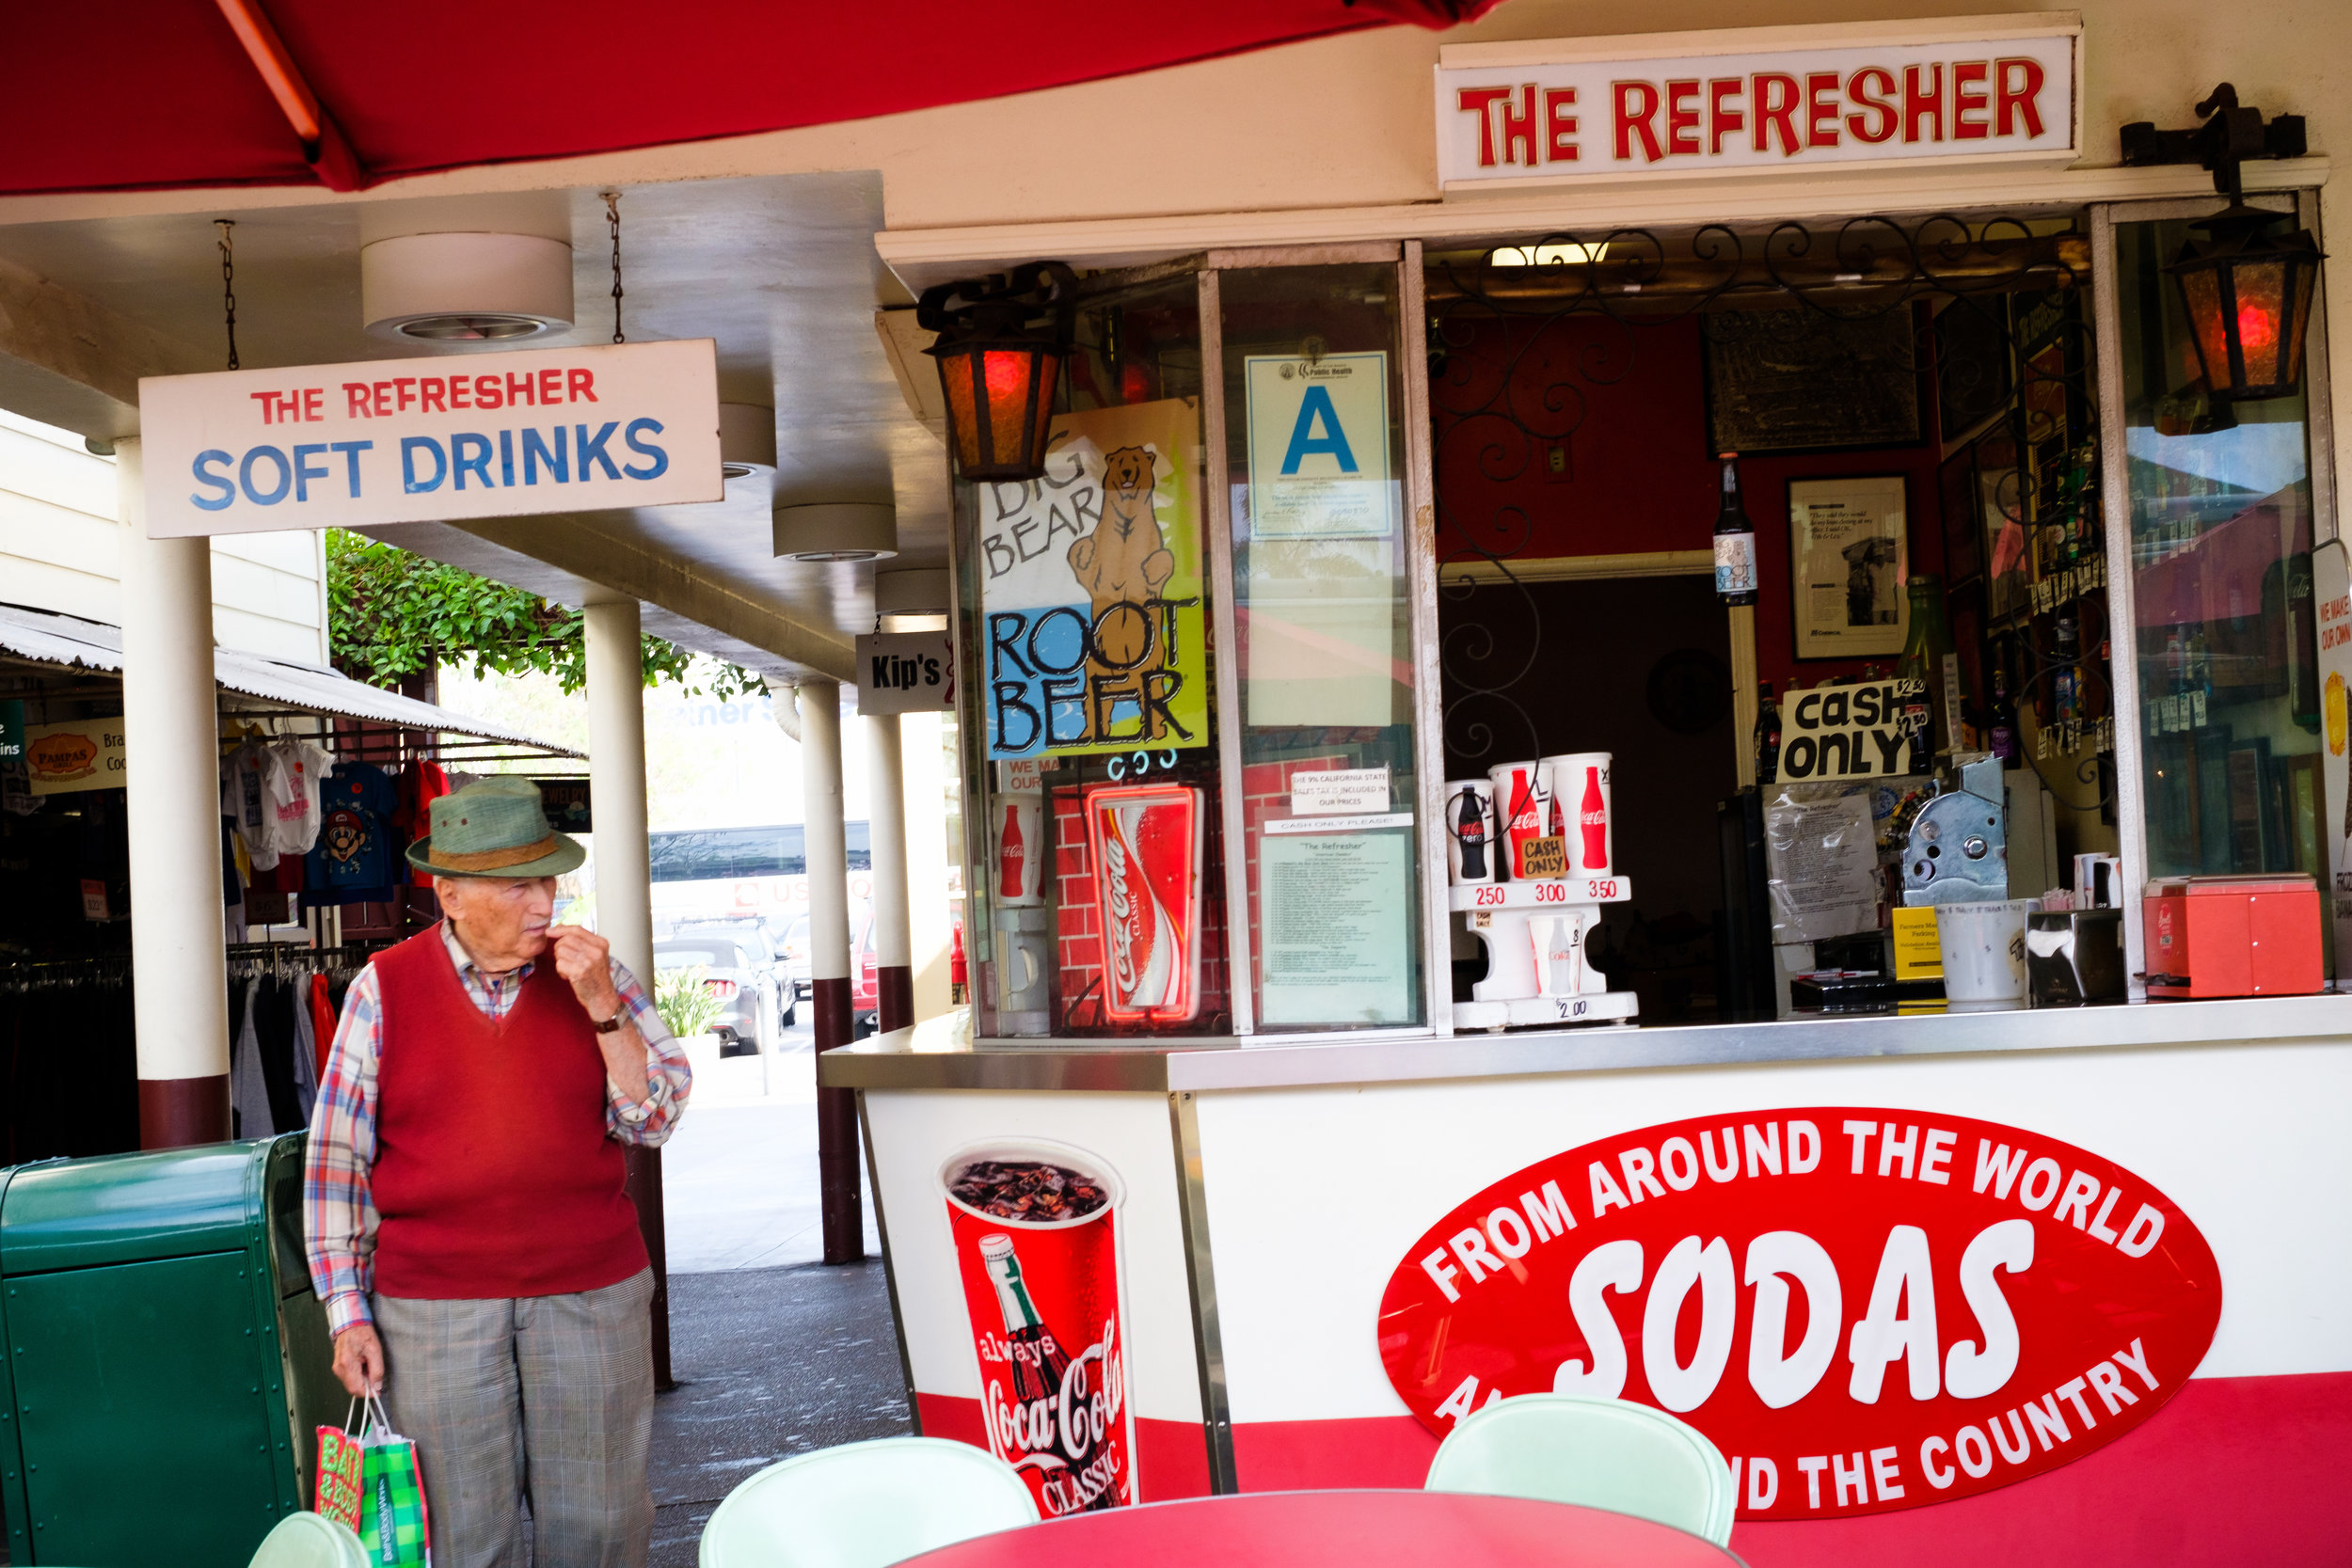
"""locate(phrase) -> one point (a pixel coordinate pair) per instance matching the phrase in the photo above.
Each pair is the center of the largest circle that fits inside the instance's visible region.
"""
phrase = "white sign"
(1337, 932)
(1319, 447)
(1965, 89)
(906, 672)
(1340, 789)
(419, 440)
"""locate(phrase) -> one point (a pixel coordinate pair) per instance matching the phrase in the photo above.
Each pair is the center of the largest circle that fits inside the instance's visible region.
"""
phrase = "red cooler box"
(2233, 935)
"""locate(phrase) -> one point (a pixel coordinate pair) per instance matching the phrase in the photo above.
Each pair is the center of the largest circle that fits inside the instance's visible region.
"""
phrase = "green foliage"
(390, 613)
(685, 1003)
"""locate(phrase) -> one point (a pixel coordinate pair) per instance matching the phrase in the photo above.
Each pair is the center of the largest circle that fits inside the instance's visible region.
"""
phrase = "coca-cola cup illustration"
(1472, 852)
(1579, 782)
(1023, 855)
(1036, 1228)
(1522, 803)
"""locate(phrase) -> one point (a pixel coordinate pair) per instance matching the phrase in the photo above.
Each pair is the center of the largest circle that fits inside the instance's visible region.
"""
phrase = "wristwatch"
(612, 1025)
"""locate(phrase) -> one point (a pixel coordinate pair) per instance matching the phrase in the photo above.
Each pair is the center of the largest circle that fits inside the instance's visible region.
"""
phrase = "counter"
(1326, 1249)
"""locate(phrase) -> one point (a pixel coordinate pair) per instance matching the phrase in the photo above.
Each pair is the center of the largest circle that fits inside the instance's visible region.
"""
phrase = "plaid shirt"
(338, 1211)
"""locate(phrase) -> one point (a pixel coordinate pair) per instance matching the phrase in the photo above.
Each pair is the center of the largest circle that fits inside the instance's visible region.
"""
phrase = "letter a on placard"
(1316, 407)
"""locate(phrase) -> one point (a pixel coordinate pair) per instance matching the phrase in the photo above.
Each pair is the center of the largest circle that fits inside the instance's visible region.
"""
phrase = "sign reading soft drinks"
(1866, 1310)
(419, 440)
(1763, 97)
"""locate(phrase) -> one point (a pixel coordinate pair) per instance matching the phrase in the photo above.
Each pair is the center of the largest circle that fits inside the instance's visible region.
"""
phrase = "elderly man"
(464, 1208)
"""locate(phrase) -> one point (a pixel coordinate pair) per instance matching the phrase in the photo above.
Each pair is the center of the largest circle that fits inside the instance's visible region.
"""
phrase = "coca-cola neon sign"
(1866, 1310)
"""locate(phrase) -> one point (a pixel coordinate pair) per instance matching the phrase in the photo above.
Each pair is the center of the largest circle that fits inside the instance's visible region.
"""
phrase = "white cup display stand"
(1518, 992)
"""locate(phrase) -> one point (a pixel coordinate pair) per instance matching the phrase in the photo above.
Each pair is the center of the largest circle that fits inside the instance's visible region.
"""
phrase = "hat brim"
(567, 856)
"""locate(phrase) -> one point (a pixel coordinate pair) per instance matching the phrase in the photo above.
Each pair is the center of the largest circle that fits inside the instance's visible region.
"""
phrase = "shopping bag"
(394, 1528)
(337, 1495)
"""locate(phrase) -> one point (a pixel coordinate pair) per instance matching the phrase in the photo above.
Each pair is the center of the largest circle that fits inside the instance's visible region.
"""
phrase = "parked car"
(753, 933)
(733, 972)
(865, 996)
(792, 944)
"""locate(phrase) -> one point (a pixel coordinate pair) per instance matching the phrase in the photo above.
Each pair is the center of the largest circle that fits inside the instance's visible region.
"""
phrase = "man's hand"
(359, 1359)
(585, 959)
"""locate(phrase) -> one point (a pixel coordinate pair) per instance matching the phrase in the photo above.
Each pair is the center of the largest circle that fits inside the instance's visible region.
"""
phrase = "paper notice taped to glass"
(1823, 866)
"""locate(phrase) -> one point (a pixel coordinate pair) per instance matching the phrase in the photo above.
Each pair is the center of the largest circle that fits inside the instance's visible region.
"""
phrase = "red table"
(1344, 1530)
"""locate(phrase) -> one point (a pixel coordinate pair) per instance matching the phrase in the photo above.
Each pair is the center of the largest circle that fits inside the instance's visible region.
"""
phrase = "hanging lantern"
(2247, 294)
(1002, 340)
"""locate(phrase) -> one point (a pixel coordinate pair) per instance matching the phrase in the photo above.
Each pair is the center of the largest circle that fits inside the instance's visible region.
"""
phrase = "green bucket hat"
(494, 827)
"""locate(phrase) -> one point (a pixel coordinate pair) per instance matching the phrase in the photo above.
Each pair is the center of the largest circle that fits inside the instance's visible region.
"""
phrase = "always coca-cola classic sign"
(1864, 1309)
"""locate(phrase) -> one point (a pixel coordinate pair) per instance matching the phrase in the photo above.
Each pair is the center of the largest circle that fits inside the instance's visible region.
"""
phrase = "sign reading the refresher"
(1093, 638)
(1977, 90)
(419, 440)
(1319, 447)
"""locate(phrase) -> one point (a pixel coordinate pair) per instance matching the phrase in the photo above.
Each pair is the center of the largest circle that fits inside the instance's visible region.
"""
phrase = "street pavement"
(774, 1353)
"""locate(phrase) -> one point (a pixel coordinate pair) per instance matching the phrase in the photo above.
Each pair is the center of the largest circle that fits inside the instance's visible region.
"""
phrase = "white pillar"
(886, 837)
(921, 739)
(616, 804)
(171, 741)
(616, 782)
(826, 848)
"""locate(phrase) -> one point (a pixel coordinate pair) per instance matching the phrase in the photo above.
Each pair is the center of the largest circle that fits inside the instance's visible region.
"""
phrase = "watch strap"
(612, 1025)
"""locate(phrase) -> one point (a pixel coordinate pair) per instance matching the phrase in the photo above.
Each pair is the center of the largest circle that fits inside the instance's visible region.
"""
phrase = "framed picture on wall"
(1788, 381)
(1848, 558)
(1963, 533)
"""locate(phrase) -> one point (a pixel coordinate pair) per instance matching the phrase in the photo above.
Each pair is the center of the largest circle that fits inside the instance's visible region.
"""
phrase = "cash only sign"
(381, 441)
(1866, 1310)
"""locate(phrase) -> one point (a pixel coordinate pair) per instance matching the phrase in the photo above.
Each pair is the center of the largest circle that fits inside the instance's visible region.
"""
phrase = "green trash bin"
(164, 1365)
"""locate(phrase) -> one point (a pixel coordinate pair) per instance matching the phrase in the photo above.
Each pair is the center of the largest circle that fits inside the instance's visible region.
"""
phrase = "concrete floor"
(775, 1354)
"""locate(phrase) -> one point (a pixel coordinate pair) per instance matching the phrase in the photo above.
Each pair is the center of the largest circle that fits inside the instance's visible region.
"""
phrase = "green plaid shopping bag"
(394, 1528)
(340, 1465)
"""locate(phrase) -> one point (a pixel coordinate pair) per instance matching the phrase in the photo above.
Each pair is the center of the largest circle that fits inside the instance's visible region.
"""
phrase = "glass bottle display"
(1735, 541)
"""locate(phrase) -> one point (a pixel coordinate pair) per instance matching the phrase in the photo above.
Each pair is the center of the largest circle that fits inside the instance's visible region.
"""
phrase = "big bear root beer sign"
(1864, 1309)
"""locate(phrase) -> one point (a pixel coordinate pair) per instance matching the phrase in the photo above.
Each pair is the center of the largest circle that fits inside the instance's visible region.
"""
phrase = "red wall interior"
(1632, 412)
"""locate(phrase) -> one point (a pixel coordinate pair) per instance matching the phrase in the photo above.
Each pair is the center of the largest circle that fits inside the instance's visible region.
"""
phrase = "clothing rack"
(109, 972)
(281, 958)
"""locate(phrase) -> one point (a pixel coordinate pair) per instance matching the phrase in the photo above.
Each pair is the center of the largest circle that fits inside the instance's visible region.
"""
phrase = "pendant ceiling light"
(467, 270)
(838, 530)
(913, 598)
(1002, 341)
(2246, 288)
(747, 440)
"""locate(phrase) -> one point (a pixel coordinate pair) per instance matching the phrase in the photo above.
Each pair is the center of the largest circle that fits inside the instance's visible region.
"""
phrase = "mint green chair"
(1602, 1453)
(309, 1541)
(865, 1504)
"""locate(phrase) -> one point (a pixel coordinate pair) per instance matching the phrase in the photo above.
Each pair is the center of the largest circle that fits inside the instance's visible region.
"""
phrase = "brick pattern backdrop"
(1078, 924)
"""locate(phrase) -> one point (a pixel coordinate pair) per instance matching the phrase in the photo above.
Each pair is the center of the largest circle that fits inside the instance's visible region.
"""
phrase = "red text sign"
(1864, 1309)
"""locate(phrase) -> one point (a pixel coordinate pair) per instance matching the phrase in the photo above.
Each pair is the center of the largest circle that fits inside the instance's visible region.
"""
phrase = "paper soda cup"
(1036, 1229)
(1474, 850)
(1578, 783)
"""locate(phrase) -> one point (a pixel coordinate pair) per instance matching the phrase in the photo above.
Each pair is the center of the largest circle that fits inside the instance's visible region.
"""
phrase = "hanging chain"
(229, 283)
(612, 218)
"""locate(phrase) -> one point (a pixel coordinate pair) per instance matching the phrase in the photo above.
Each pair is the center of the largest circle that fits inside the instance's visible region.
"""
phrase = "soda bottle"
(1041, 1381)
(1735, 541)
(1592, 814)
(1767, 738)
(1012, 854)
(1470, 833)
(1925, 712)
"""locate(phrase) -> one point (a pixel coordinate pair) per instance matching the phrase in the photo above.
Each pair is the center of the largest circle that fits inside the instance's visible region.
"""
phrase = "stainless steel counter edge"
(938, 1055)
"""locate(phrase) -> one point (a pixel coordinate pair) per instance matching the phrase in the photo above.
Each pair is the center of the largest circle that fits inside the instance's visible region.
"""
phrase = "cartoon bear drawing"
(1125, 560)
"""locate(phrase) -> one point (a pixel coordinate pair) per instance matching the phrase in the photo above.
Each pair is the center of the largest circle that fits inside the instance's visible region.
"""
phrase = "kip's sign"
(1960, 89)
(1866, 1310)
(416, 440)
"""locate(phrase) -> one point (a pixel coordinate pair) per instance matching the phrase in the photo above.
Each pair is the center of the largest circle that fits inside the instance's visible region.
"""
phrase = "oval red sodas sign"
(1864, 1309)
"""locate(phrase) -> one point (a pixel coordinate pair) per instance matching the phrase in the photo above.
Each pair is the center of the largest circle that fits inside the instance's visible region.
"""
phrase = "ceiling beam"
(68, 361)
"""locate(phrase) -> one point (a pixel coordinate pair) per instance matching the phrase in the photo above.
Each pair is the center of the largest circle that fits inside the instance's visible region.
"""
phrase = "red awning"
(113, 94)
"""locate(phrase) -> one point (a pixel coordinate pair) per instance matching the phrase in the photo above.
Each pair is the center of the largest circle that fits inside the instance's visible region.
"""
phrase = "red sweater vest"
(493, 1174)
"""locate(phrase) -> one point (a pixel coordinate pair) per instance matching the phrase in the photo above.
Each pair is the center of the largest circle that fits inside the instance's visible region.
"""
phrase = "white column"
(616, 782)
(924, 768)
(886, 838)
(826, 841)
(171, 740)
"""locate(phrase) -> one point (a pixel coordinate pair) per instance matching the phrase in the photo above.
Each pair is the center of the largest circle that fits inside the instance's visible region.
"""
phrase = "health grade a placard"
(379, 441)
(1094, 638)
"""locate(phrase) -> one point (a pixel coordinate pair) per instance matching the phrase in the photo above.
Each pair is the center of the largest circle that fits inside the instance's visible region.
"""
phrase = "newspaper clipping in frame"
(1094, 634)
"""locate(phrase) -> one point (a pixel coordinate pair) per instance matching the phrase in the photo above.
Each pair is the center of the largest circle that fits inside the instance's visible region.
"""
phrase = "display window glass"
(1329, 780)
(1096, 898)
(2221, 509)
